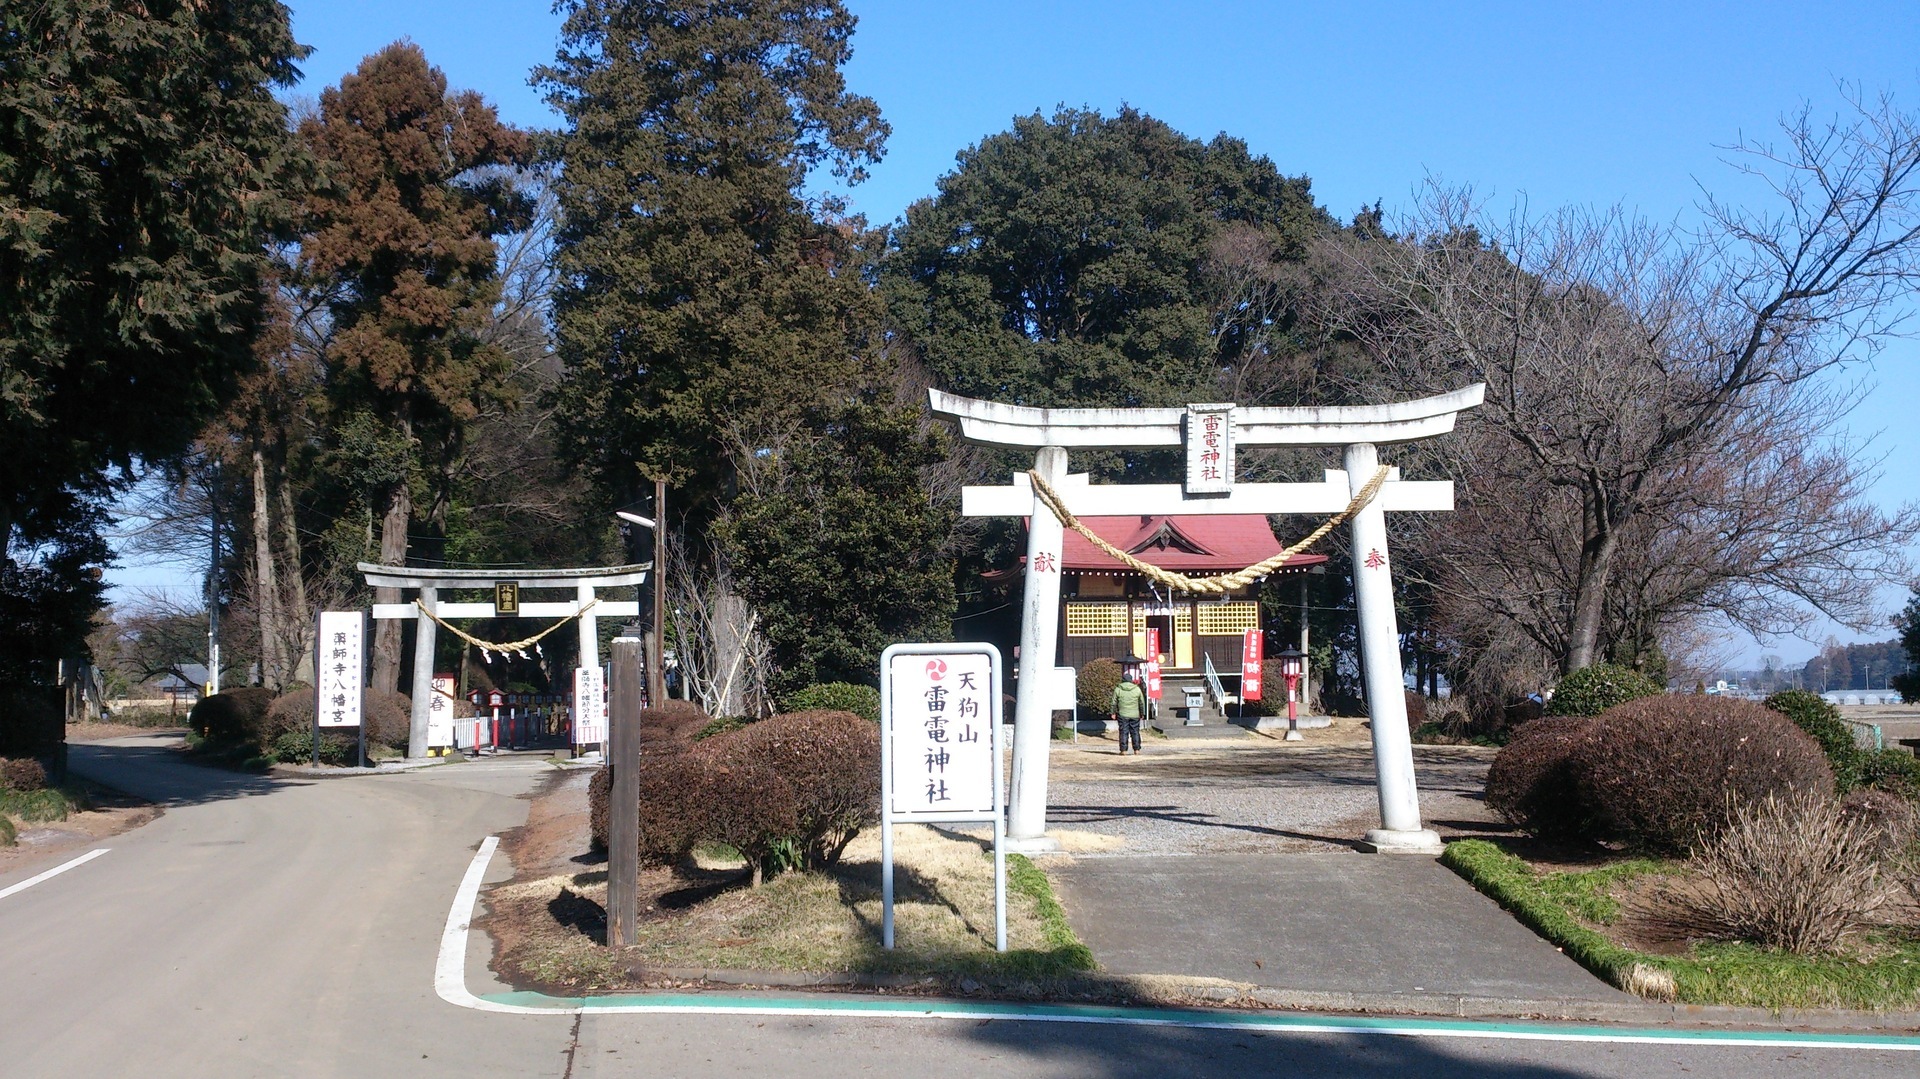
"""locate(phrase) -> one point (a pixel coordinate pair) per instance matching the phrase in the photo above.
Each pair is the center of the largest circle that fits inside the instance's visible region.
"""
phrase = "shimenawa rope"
(1221, 583)
(487, 647)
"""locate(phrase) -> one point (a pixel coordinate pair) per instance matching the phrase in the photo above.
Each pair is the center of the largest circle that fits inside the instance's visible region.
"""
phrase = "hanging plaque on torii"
(1210, 435)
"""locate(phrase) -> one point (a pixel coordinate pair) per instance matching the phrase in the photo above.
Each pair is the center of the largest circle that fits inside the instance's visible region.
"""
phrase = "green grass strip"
(1514, 885)
(9, 835)
(1025, 878)
(50, 804)
(1735, 974)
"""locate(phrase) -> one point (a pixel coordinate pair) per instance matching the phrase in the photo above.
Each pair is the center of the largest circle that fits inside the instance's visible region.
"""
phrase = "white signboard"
(940, 753)
(1066, 690)
(440, 712)
(589, 705)
(941, 731)
(1209, 449)
(340, 663)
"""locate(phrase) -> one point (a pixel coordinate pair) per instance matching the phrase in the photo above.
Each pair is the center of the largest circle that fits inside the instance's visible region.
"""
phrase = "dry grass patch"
(552, 929)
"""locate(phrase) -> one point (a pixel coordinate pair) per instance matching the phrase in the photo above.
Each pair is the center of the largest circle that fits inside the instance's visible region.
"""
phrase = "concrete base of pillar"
(1293, 735)
(1383, 841)
(1039, 844)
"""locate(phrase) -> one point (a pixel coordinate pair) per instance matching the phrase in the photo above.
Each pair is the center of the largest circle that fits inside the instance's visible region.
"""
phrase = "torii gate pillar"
(1032, 711)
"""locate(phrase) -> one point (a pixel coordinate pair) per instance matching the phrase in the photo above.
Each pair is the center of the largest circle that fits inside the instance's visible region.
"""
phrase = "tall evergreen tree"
(143, 163)
(403, 228)
(1066, 262)
(703, 295)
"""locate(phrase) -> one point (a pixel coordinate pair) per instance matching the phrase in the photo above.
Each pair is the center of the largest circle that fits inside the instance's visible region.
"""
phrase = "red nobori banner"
(1252, 651)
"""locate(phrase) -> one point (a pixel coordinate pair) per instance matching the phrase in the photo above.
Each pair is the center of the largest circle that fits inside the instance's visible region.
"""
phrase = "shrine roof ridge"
(379, 576)
(996, 424)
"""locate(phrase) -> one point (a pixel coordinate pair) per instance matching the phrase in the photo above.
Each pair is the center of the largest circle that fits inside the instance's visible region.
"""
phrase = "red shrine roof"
(1200, 544)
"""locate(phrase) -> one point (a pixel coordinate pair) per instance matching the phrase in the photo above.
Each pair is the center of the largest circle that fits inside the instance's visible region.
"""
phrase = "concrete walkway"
(1372, 924)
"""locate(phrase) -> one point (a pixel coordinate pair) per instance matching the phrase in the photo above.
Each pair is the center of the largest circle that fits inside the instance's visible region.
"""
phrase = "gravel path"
(1253, 795)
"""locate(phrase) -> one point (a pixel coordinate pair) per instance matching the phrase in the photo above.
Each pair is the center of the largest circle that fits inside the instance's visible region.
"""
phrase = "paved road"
(280, 928)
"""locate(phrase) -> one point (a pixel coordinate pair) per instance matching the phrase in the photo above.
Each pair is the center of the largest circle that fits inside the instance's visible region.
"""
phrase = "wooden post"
(623, 829)
(656, 672)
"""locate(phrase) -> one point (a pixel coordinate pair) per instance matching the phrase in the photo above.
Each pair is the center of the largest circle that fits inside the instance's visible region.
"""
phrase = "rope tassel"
(1222, 583)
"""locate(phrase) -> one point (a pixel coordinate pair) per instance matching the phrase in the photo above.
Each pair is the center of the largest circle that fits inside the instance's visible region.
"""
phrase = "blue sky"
(1552, 103)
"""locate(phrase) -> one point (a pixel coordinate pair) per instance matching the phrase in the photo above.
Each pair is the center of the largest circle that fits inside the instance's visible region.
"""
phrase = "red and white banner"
(1153, 664)
(1252, 651)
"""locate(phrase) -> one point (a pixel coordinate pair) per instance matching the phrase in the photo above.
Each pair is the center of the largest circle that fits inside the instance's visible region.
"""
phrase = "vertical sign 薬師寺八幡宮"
(340, 667)
(940, 753)
(589, 705)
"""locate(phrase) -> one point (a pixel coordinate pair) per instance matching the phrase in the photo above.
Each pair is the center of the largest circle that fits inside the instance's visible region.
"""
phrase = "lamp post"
(1292, 666)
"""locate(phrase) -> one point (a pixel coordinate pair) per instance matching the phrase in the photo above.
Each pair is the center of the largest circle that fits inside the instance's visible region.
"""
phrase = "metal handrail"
(1213, 682)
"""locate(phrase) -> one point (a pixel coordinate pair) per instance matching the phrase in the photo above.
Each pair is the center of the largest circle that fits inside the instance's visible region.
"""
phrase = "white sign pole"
(1039, 625)
(940, 754)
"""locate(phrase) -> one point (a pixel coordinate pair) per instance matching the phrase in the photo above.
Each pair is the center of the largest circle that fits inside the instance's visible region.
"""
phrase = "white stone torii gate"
(430, 580)
(1210, 489)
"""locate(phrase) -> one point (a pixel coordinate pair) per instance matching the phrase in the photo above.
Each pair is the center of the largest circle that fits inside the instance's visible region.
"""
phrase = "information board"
(340, 662)
(940, 753)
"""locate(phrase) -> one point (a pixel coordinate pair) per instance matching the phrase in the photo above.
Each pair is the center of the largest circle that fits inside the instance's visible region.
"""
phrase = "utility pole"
(656, 671)
(623, 803)
(213, 585)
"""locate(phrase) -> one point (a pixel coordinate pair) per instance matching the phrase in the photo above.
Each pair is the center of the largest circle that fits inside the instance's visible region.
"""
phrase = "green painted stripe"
(1276, 1022)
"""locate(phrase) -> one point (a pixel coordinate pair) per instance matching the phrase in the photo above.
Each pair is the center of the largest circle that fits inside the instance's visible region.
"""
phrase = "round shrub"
(1273, 693)
(234, 717)
(1094, 685)
(675, 721)
(1664, 772)
(388, 716)
(805, 781)
(1592, 690)
(296, 747)
(862, 701)
(1822, 722)
(1531, 783)
(22, 774)
(832, 762)
(721, 726)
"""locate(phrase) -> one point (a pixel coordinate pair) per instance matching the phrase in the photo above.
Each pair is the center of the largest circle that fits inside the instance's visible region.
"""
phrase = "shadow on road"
(1100, 1051)
(151, 767)
(1070, 814)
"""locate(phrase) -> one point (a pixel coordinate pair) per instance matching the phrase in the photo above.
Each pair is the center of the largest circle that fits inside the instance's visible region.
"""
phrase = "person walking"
(1129, 704)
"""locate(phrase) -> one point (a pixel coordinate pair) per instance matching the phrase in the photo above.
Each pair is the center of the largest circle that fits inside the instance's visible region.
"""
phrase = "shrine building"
(1107, 607)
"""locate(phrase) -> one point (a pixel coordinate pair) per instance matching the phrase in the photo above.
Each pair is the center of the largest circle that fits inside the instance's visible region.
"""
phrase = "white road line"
(54, 872)
(450, 980)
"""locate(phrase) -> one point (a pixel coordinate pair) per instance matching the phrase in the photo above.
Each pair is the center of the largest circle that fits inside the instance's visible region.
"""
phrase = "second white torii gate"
(585, 604)
(1210, 433)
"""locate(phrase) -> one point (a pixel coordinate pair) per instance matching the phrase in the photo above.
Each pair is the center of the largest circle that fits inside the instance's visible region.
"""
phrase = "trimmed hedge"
(1094, 685)
(1822, 722)
(1663, 772)
(1894, 771)
(788, 791)
(234, 717)
(862, 701)
(1592, 690)
(22, 774)
(1531, 783)
(289, 719)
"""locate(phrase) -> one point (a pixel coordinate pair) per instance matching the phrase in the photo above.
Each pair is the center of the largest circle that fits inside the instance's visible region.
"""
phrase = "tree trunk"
(1590, 599)
(296, 610)
(266, 588)
(393, 552)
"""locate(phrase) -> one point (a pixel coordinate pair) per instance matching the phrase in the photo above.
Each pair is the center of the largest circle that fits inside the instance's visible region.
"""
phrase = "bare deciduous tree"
(1657, 439)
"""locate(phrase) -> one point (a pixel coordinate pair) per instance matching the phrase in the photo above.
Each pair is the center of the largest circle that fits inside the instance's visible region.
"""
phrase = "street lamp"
(1292, 665)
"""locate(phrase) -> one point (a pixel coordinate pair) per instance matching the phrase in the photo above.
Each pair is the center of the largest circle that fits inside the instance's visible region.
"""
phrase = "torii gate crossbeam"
(1210, 489)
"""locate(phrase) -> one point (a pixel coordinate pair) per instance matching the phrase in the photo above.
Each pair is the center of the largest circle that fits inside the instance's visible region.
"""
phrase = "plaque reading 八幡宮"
(941, 732)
